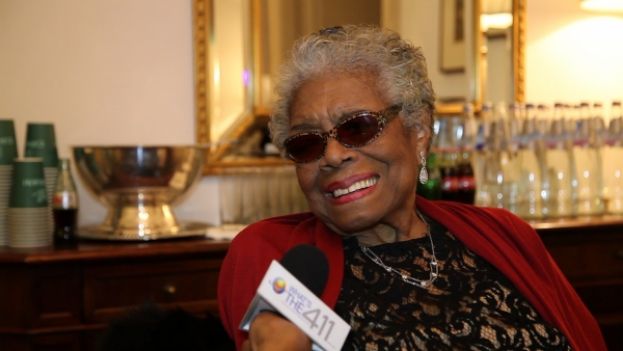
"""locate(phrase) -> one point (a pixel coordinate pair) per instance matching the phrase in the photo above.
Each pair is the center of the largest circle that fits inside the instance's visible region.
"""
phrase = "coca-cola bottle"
(448, 156)
(467, 183)
(65, 206)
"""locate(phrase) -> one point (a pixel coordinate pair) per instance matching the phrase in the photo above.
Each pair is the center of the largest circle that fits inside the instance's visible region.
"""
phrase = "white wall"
(571, 54)
(104, 72)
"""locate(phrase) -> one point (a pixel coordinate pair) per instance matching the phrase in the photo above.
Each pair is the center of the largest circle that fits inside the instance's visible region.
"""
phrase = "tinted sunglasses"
(357, 129)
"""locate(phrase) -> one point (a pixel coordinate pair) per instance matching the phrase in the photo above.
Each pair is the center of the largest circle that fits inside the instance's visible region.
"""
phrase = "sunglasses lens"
(358, 130)
(305, 147)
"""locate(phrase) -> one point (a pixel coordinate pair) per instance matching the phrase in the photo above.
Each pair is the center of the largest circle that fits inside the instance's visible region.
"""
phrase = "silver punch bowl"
(139, 185)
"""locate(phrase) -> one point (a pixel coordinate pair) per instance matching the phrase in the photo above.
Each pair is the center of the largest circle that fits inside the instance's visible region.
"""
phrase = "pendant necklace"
(421, 283)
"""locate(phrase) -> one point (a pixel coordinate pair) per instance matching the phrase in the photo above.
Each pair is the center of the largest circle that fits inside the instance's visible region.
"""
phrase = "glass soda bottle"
(557, 176)
(481, 150)
(448, 158)
(529, 186)
(466, 141)
(65, 206)
(587, 161)
(432, 188)
(612, 165)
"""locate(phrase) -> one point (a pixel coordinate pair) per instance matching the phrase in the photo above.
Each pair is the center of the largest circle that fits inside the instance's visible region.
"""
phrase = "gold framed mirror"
(236, 42)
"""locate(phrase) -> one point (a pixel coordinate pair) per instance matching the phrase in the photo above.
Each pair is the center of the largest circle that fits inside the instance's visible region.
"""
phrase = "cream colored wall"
(104, 72)
(571, 54)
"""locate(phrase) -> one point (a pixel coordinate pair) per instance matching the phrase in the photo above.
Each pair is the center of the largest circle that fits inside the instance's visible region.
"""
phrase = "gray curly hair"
(400, 67)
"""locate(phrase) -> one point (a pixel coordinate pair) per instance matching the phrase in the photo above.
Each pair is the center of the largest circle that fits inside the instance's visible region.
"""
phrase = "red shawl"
(498, 236)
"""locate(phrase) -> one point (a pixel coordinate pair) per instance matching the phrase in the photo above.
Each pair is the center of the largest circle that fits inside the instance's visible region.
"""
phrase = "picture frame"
(453, 36)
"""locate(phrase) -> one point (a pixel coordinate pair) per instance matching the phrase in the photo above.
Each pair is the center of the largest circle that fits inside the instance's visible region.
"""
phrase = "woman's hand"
(271, 332)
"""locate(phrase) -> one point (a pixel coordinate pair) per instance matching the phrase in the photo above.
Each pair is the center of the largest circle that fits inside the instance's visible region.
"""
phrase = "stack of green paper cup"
(41, 142)
(8, 153)
(28, 214)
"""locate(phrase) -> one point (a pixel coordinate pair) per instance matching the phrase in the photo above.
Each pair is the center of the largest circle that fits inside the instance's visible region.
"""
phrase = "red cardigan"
(498, 236)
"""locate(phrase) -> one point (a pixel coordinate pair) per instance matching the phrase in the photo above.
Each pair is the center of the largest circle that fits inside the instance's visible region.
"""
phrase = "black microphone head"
(309, 265)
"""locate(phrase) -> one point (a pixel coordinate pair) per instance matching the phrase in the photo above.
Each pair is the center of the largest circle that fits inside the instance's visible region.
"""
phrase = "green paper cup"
(28, 184)
(8, 145)
(41, 142)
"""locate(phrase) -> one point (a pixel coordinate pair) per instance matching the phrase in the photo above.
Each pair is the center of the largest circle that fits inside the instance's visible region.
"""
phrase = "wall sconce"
(602, 5)
(496, 15)
(495, 21)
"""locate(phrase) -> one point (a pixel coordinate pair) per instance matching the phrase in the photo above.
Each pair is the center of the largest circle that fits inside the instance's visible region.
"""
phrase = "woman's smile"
(347, 191)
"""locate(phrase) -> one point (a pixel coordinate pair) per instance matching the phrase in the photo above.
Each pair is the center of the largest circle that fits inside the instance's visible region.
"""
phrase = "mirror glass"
(280, 22)
(501, 39)
(240, 44)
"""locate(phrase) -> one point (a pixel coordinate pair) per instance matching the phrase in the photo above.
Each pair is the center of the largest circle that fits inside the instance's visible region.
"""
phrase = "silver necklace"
(432, 274)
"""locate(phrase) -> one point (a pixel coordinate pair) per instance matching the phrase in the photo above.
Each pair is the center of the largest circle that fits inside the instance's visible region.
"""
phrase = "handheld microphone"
(291, 288)
(309, 265)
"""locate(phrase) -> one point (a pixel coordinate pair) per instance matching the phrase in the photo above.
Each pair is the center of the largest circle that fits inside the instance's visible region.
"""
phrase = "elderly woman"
(354, 113)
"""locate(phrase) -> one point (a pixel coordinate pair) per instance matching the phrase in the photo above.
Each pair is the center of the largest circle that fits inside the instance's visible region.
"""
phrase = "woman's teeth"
(362, 184)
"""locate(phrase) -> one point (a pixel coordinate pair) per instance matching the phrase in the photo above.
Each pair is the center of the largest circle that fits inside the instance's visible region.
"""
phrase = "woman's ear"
(420, 138)
(423, 140)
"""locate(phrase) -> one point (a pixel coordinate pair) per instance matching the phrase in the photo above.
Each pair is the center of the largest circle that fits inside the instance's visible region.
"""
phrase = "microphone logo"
(279, 285)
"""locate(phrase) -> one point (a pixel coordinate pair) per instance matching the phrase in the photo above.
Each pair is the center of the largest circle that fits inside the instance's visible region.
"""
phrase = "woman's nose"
(335, 153)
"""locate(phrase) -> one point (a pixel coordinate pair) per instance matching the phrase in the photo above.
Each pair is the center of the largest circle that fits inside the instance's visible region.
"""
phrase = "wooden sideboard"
(590, 253)
(62, 299)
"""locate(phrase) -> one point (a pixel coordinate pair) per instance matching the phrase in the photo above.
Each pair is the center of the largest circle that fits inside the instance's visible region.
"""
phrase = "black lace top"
(471, 305)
